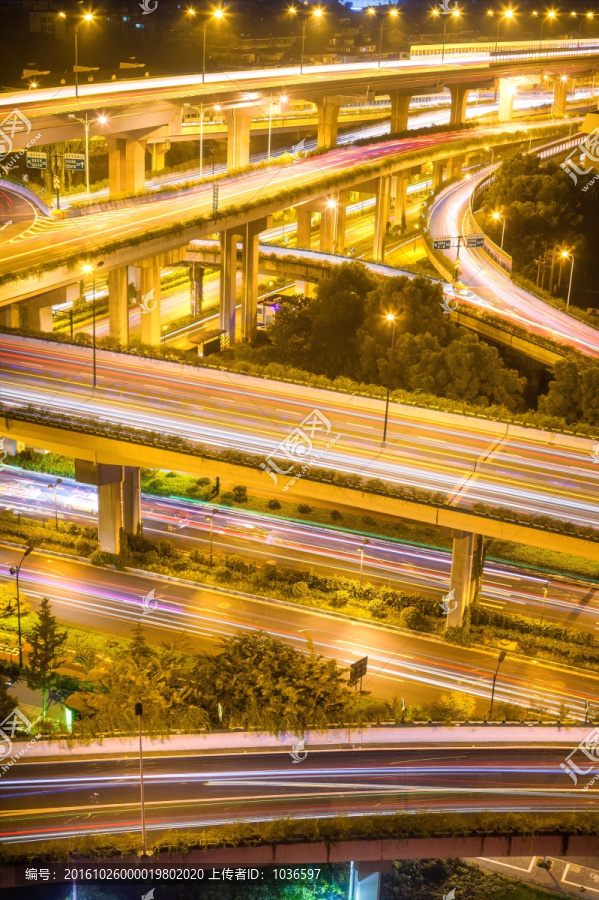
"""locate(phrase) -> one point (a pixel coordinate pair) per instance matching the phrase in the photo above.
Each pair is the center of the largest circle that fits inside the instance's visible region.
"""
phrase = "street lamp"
(88, 17)
(391, 319)
(526, 131)
(102, 120)
(216, 14)
(550, 16)
(54, 486)
(317, 13)
(282, 99)
(87, 269)
(491, 150)
(508, 16)
(15, 570)
(139, 711)
(566, 255)
(500, 659)
(202, 111)
(361, 549)
(498, 216)
(393, 14)
(454, 14)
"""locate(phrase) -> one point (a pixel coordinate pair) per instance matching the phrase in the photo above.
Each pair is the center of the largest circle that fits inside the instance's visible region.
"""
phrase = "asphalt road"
(57, 800)
(409, 567)
(407, 665)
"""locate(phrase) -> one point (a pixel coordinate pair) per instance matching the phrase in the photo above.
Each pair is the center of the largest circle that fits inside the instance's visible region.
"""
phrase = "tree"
(46, 641)
(454, 707)
(290, 332)
(263, 682)
(7, 703)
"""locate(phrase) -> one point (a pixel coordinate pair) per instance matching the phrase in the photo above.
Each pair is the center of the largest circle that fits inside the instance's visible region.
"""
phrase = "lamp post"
(506, 15)
(202, 111)
(500, 659)
(361, 548)
(498, 216)
(102, 120)
(550, 16)
(529, 133)
(139, 713)
(567, 255)
(454, 14)
(491, 150)
(218, 14)
(54, 486)
(317, 13)
(393, 14)
(390, 318)
(16, 570)
(88, 17)
(87, 269)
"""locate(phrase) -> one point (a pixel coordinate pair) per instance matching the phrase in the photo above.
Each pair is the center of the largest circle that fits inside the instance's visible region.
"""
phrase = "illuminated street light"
(393, 14)
(89, 269)
(491, 150)
(16, 570)
(549, 16)
(390, 317)
(317, 13)
(500, 659)
(202, 111)
(101, 120)
(507, 15)
(88, 17)
(565, 254)
(497, 216)
(455, 14)
(216, 14)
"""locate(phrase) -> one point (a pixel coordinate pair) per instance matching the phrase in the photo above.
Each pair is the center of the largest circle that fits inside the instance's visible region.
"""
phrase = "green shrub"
(336, 516)
(84, 547)
(228, 498)
(273, 504)
(339, 598)
(101, 558)
(299, 589)
(304, 509)
(240, 493)
(222, 573)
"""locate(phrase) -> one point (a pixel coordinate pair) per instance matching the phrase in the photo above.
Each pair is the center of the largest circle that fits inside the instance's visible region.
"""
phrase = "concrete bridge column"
(459, 102)
(39, 309)
(238, 138)
(365, 879)
(507, 89)
(150, 302)
(328, 114)
(400, 104)
(108, 479)
(118, 304)
(327, 227)
(132, 499)
(249, 275)
(196, 287)
(560, 96)
(454, 166)
(158, 151)
(304, 228)
(126, 164)
(466, 570)
(438, 167)
(9, 315)
(228, 282)
(339, 239)
(381, 217)
(401, 197)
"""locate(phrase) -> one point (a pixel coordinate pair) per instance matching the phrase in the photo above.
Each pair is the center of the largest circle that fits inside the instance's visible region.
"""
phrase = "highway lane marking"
(573, 883)
(499, 862)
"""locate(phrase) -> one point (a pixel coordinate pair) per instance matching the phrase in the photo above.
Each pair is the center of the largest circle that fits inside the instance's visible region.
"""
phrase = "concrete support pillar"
(454, 166)
(118, 304)
(39, 315)
(158, 151)
(228, 282)
(327, 227)
(9, 315)
(365, 879)
(381, 217)
(126, 164)
(507, 89)
(459, 102)
(110, 517)
(438, 167)
(466, 571)
(132, 499)
(238, 138)
(560, 96)
(401, 197)
(304, 228)
(196, 288)
(400, 104)
(249, 281)
(340, 224)
(150, 300)
(328, 114)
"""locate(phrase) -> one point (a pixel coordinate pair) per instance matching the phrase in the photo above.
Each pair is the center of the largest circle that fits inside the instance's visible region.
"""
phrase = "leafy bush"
(304, 509)
(273, 504)
(240, 493)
